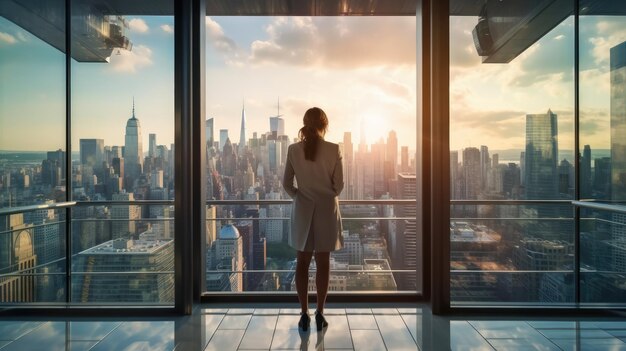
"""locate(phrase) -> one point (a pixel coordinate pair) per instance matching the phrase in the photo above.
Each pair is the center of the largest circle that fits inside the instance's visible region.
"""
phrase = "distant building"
(133, 151)
(122, 255)
(407, 241)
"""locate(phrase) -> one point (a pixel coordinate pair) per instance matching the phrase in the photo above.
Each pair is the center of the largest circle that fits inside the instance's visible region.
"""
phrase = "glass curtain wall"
(263, 73)
(123, 160)
(512, 175)
(602, 153)
(515, 236)
(32, 160)
(121, 168)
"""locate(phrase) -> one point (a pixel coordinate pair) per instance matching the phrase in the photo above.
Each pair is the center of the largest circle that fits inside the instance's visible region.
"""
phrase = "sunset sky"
(358, 69)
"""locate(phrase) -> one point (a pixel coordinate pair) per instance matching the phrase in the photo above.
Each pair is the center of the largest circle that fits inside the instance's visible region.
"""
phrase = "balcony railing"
(503, 252)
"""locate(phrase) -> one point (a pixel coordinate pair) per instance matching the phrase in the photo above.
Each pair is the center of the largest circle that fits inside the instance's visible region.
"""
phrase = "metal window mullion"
(68, 149)
(577, 150)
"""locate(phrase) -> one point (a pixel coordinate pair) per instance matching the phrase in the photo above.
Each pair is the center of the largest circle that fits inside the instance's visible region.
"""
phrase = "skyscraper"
(540, 166)
(210, 138)
(484, 166)
(242, 133)
(223, 138)
(585, 173)
(618, 122)
(133, 150)
(348, 162)
(404, 159)
(91, 152)
(618, 153)
(152, 145)
(407, 189)
(471, 181)
(277, 125)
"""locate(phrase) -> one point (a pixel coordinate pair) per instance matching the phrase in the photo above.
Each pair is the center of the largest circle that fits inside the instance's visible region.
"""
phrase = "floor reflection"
(226, 328)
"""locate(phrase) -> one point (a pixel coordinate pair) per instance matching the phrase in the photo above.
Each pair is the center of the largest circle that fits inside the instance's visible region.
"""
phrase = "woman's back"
(321, 178)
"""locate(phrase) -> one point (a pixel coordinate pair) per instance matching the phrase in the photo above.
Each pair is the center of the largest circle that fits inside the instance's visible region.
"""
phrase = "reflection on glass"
(603, 154)
(512, 138)
(32, 160)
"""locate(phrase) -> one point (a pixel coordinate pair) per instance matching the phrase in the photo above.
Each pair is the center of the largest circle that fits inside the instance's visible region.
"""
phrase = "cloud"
(125, 61)
(138, 25)
(7, 38)
(217, 38)
(336, 42)
(167, 28)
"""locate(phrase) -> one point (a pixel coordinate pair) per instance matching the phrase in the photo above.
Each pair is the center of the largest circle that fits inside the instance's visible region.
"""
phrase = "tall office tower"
(152, 145)
(16, 254)
(277, 125)
(404, 159)
(585, 173)
(378, 162)
(229, 159)
(618, 152)
(156, 179)
(495, 160)
(618, 122)
(392, 151)
(454, 175)
(229, 255)
(522, 166)
(223, 138)
(91, 152)
(120, 255)
(407, 189)
(210, 138)
(53, 168)
(124, 217)
(485, 164)
(242, 132)
(348, 166)
(471, 182)
(133, 150)
(540, 173)
(602, 177)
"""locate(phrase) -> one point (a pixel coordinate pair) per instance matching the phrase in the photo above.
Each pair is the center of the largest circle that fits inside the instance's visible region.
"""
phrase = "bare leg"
(302, 279)
(322, 278)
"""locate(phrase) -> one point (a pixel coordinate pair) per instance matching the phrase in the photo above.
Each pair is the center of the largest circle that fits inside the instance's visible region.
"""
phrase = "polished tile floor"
(274, 327)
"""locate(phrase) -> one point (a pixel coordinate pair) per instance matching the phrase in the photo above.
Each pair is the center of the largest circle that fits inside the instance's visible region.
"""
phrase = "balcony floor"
(352, 327)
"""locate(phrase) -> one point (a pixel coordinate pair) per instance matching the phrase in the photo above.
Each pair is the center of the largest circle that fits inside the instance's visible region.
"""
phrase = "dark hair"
(315, 121)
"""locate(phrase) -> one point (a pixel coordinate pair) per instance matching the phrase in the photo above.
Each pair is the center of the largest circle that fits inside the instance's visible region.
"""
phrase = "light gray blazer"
(316, 204)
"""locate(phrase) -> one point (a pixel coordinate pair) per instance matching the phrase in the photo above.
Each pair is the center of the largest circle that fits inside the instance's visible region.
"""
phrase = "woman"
(316, 221)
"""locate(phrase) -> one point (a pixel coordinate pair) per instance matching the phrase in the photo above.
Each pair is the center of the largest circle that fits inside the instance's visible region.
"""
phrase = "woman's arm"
(288, 176)
(338, 173)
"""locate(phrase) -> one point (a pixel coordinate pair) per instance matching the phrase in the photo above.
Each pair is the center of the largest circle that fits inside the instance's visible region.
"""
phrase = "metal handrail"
(600, 206)
(22, 209)
(511, 202)
(311, 270)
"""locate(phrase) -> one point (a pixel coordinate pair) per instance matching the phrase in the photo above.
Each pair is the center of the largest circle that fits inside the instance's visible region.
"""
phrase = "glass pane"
(123, 135)
(603, 150)
(511, 139)
(262, 74)
(32, 160)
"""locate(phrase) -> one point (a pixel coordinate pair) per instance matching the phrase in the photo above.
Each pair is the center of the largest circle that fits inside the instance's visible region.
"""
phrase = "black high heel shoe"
(320, 321)
(305, 321)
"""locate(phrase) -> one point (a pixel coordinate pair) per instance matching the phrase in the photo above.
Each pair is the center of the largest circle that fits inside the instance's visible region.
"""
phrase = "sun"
(374, 126)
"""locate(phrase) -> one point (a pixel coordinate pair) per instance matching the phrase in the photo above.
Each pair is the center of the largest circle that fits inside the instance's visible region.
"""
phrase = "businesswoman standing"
(316, 222)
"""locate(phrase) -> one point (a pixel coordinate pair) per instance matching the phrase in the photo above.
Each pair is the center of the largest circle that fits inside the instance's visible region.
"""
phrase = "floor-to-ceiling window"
(123, 154)
(602, 43)
(512, 154)
(32, 151)
(262, 74)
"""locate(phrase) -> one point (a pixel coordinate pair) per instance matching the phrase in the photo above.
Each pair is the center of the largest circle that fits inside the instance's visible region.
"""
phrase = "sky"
(360, 70)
